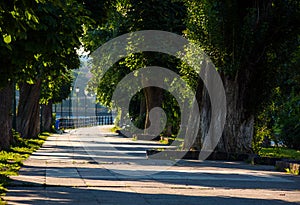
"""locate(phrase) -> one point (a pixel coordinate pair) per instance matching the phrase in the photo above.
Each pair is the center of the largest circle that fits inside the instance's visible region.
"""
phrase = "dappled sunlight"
(145, 195)
(75, 168)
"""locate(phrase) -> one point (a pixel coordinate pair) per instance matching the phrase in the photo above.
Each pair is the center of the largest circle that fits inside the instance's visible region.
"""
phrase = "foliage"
(280, 152)
(59, 33)
(292, 171)
(172, 110)
(43, 35)
(251, 37)
(263, 128)
(280, 121)
(288, 122)
(15, 18)
(129, 16)
(56, 88)
(251, 44)
(115, 128)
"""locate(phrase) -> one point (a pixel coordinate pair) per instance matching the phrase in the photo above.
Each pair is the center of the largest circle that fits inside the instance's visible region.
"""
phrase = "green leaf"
(35, 19)
(28, 15)
(9, 47)
(30, 81)
(7, 38)
(37, 56)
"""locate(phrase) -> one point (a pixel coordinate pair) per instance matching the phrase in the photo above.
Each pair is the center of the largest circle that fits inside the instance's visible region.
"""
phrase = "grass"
(115, 128)
(12, 159)
(280, 152)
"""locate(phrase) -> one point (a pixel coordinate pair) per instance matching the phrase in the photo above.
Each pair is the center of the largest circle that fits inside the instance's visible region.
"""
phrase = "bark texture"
(239, 125)
(28, 117)
(6, 103)
(154, 98)
(46, 117)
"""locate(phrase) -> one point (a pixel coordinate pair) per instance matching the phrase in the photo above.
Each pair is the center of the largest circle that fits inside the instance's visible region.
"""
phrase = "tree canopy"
(253, 44)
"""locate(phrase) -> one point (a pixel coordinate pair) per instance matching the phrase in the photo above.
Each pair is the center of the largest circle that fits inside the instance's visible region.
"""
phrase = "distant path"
(94, 166)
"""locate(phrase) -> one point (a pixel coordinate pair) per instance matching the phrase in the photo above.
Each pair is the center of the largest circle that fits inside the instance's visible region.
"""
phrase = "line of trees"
(253, 44)
(38, 49)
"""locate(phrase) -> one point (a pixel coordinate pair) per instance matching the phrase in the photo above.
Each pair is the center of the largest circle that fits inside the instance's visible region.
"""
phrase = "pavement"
(95, 166)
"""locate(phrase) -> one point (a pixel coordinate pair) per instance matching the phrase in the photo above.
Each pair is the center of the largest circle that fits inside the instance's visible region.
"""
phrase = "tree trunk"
(47, 117)
(239, 125)
(154, 98)
(142, 106)
(6, 103)
(28, 117)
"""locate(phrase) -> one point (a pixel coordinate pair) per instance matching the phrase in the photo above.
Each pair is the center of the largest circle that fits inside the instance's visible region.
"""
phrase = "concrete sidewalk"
(94, 166)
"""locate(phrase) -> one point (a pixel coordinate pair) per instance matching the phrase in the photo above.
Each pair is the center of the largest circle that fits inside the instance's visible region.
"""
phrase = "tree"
(279, 120)
(249, 42)
(59, 32)
(130, 16)
(15, 18)
(6, 137)
(287, 124)
(54, 89)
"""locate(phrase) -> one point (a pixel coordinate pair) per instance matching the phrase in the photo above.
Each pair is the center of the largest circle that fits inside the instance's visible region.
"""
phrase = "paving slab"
(95, 166)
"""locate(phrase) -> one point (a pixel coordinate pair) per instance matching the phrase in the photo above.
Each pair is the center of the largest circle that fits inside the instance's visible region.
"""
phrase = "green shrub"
(288, 123)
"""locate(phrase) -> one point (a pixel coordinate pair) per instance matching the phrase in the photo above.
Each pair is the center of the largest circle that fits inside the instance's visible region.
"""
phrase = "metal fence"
(70, 123)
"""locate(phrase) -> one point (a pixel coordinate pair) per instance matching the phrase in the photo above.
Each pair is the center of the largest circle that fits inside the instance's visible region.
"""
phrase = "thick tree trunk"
(154, 98)
(238, 129)
(47, 117)
(6, 103)
(239, 126)
(28, 117)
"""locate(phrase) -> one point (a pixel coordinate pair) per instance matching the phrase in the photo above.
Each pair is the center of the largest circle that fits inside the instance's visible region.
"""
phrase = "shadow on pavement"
(94, 195)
